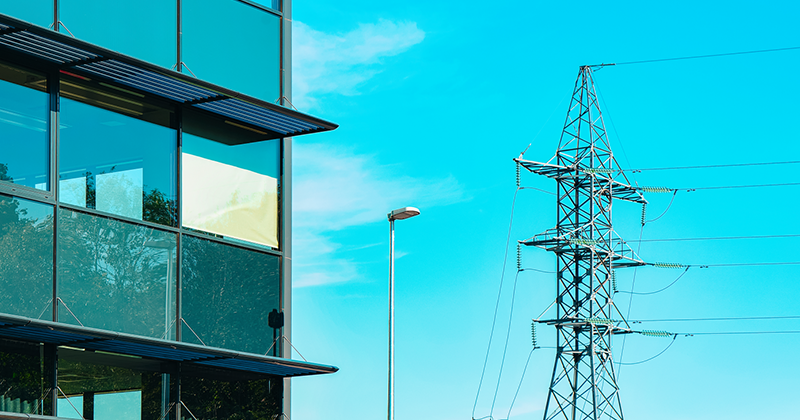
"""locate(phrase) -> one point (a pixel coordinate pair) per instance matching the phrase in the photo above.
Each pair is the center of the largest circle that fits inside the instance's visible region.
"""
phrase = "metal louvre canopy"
(21, 328)
(73, 55)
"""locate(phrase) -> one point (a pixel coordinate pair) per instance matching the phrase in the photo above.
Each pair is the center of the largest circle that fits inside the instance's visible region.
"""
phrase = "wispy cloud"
(336, 188)
(324, 63)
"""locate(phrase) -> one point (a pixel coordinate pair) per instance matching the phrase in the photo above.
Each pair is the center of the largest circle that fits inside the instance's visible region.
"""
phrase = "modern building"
(145, 209)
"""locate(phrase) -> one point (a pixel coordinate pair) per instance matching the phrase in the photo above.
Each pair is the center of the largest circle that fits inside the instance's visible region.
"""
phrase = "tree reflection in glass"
(26, 262)
(227, 294)
(116, 276)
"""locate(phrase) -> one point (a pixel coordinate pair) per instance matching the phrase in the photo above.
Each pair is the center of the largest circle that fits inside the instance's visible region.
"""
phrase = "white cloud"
(335, 188)
(325, 63)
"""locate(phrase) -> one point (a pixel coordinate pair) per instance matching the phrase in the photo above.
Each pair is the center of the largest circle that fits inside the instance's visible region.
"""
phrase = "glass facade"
(25, 140)
(214, 394)
(117, 154)
(147, 31)
(25, 383)
(135, 214)
(109, 387)
(254, 46)
(26, 266)
(231, 190)
(39, 12)
(228, 293)
(116, 276)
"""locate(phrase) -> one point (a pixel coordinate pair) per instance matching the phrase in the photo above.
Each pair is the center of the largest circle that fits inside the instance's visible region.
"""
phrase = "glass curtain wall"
(116, 276)
(117, 153)
(101, 386)
(254, 46)
(26, 378)
(145, 29)
(227, 295)
(39, 12)
(26, 265)
(115, 223)
(25, 140)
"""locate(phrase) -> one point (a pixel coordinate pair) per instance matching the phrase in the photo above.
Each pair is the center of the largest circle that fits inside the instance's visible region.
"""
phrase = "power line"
(674, 336)
(750, 264)
(730, 165)
(718, 238)
(659, 290)
(497, 305)
(741, 186)
(505, 348)
(741, 332)
(677, 265)
(667, 190)
(537, 189)
(742, 318)
(692, 57)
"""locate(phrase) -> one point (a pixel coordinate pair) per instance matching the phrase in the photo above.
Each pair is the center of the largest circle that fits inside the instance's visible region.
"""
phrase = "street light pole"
(399, 214)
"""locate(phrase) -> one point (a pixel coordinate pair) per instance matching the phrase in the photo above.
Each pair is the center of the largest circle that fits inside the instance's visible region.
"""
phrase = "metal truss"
(583, 384)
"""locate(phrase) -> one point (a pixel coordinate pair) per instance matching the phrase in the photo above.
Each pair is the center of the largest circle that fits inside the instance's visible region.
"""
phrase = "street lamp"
(399, 214)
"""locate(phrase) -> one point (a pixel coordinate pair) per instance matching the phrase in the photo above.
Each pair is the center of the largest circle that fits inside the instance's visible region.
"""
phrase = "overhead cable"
(659, 290)
(729, 165)
(743, 318)
(718, 238)
(723, 187)
(497, 304)
(693, 57)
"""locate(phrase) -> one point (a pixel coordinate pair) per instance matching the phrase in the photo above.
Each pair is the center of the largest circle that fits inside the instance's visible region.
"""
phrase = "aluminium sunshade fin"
(21, 328)
(50, 48)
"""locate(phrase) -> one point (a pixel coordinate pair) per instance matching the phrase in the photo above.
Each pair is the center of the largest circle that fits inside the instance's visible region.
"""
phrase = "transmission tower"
(584, 385)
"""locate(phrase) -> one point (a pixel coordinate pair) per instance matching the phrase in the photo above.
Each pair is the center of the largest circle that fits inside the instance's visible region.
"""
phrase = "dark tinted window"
(227, 294)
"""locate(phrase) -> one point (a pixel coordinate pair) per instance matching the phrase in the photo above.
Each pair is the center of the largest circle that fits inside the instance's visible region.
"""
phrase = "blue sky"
(436, 98)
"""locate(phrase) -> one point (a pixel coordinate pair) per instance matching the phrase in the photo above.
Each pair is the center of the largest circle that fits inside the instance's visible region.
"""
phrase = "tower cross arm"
(549, 170)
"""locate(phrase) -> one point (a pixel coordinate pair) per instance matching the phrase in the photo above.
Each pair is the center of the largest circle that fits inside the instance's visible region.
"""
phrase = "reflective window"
(230, 189)
(215, 394)
(272, 4)
(117, 153)
(145, 29)
(227, 294)
(24, 383)
(116, 276)
(249, 37)
(26, 265)
(24, 143)
(39, 12)
(102, 386)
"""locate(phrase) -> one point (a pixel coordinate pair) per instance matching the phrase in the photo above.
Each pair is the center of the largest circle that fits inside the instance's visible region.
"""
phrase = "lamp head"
(403, 213)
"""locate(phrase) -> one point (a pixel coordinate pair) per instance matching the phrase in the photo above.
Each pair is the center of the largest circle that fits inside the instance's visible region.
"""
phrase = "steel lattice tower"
(583, 384)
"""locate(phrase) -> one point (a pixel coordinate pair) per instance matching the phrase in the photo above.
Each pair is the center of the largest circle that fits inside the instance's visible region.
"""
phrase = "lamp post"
(399, 214)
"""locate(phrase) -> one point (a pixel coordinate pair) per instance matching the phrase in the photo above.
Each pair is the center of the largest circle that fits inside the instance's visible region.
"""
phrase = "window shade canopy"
(59, 334)
(44, 49)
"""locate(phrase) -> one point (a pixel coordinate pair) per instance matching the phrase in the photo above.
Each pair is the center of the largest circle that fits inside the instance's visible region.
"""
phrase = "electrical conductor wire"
(497, 305)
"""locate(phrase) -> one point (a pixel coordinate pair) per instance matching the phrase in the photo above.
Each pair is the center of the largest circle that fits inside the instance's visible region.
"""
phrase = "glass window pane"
(124, 164)
(104, 386)
(26, 265)
(24, 381)
(272, 4)
(215, 394)
(231, 190)
(227, 294)
(25, 143)
(39, 12)
(145, 29)
(116, 276)
(245, 56)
